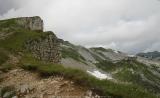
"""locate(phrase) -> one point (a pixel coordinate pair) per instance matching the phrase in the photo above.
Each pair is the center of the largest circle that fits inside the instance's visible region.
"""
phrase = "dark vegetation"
(101, 49)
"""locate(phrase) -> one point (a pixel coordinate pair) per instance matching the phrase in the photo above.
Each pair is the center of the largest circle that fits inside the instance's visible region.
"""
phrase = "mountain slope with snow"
(114, 65)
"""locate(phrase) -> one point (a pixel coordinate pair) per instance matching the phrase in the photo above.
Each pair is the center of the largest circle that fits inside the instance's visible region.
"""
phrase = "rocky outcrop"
(45, 48)
(31, 23)
(26, 84)
(43, 45)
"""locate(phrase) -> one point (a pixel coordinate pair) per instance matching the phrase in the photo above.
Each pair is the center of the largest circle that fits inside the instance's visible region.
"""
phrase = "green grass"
(152, 77)
(69, 52)
(126, 73)
(17, 40)
(107, 66)
(10, 23)
(127, 76)
(135, 77)
(3, 56)
(103, 87)
(130, 71)
(4, 64)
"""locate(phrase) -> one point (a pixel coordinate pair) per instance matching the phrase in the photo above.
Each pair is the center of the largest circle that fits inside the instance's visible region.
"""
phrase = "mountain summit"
(26, 34)
(30, 23)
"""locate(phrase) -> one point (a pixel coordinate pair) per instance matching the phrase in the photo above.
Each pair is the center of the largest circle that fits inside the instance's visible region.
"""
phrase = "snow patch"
(99, 75)
(131, 56)
(115, 51)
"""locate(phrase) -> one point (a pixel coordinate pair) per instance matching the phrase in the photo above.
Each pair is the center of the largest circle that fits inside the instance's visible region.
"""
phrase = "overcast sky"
(127, 25)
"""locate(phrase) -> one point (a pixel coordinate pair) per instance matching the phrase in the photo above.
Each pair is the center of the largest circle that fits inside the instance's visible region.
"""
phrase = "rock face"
(43, 45)
(45, 48)
(31, 23)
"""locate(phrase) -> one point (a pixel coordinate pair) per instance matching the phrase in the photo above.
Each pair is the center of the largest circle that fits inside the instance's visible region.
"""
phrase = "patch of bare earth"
(31, 85)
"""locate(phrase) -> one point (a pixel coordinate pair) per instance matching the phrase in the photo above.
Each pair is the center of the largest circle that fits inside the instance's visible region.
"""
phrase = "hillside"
(33, 57)
(118, 66)
(155, 55)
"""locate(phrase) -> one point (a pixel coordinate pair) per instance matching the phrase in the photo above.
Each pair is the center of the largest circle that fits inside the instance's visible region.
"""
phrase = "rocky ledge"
(45, 48)
(26, 84)
(31, 23)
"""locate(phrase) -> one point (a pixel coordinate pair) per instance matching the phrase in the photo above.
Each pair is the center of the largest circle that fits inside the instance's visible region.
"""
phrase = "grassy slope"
(10, 23)
(72, 52)
(3, 56)
(15, 43)
(131, 72)
(69, 52)
(107, 66)
(104, 87)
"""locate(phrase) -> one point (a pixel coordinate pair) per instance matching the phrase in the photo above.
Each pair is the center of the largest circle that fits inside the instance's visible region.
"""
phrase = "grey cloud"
(128, 25)
(6, 5)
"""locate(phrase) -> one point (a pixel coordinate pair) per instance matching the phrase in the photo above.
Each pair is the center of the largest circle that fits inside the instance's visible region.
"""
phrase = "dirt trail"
(30, 85)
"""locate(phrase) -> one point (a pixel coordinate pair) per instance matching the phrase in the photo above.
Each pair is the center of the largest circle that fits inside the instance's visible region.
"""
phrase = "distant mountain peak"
(150, 55)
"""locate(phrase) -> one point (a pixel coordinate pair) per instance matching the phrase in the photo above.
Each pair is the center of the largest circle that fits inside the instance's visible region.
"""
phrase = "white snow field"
(100, 75)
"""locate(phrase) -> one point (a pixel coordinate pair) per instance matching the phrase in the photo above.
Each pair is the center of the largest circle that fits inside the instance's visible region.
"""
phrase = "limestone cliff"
(31, 23)
(45, 48)
(26, 33)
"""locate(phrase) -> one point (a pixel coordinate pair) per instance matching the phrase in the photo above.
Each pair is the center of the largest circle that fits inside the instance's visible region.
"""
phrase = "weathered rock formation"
(46, 49)
(31, 23)
(43, 45)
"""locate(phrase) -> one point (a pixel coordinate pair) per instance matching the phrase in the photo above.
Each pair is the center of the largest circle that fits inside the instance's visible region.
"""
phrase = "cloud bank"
(127, 25)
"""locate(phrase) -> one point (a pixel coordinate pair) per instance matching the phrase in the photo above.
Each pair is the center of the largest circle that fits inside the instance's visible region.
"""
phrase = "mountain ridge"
(150, 55)
(106, 72)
